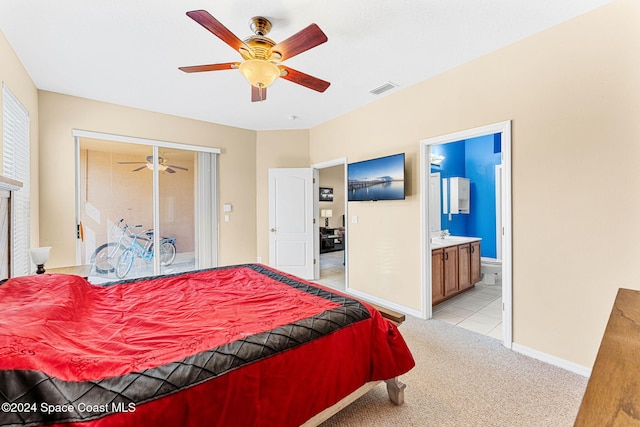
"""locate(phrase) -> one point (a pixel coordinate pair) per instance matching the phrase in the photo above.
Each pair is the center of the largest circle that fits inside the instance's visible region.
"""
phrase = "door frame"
(503, 128)
(323, 165)
(154, 144)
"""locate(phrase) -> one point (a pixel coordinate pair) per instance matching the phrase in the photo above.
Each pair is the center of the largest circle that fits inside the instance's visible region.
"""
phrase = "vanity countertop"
(437, 243)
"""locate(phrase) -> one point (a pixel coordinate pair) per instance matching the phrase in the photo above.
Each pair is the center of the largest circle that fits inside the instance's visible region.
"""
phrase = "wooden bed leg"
(396, 390)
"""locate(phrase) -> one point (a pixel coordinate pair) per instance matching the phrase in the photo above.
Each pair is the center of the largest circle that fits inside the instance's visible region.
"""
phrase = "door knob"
(273, 230)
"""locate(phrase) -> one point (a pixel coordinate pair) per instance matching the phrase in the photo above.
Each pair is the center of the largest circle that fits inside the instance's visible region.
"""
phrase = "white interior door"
(291, 220)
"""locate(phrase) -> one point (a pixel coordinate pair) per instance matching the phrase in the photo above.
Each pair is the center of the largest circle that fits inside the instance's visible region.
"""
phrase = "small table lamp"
(40, 256)
(326, 214)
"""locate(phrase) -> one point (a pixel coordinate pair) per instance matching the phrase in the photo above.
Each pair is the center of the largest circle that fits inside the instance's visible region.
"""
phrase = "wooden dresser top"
(612, 397)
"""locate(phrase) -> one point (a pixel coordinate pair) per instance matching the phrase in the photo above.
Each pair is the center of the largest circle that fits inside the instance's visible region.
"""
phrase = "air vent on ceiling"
(381, 89)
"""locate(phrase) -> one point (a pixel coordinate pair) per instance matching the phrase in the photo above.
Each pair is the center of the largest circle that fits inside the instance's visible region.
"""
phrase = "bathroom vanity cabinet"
(437, 275)
(475, 274)
(455, 268)
(451, 270)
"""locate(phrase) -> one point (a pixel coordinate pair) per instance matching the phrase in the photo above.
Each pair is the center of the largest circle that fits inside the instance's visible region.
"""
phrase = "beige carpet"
(465, 379)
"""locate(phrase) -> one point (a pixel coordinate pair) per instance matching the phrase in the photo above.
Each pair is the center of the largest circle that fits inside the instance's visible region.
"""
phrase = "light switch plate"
(354, 219)
(227, 207)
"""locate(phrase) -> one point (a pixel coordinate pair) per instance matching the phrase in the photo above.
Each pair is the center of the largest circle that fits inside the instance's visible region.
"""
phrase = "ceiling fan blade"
(303, 79)
(258, 94)
(205, 19)
(140, 168)
(169, 170)
(177, 167)
(302, 41)
(210, 67)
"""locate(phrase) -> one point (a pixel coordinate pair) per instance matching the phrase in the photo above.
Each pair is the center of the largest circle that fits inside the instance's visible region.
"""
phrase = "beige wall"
(573, 95)
(16, 78)
(275, 149)
(60, 114)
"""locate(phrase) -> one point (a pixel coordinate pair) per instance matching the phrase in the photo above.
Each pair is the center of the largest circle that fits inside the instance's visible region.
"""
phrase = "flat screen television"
(376, 179)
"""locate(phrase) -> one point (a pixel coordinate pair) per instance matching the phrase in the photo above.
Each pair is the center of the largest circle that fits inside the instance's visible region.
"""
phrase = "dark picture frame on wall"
(326, 194)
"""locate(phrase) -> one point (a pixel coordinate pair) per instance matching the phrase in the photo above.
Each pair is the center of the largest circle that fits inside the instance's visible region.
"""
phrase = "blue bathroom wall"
(475, 159)
(480, 163)
(453, 165)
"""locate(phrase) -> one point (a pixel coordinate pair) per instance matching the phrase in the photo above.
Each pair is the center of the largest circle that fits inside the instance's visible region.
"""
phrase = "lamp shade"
(259, 73)
(326, 213)
(40, 256)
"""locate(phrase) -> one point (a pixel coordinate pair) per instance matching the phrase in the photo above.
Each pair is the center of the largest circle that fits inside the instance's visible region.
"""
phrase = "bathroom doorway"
(332, 238)
(481, 157)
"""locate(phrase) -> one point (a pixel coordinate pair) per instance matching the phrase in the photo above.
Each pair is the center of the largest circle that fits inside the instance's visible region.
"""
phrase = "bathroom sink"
(447, 239)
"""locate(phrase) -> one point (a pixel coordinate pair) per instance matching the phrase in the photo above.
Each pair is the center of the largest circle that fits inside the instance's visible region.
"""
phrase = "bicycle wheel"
(124, 263)
(106, 256)
(167, 252)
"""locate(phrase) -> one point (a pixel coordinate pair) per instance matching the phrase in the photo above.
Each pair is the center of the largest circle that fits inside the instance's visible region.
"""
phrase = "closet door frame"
(206, 194)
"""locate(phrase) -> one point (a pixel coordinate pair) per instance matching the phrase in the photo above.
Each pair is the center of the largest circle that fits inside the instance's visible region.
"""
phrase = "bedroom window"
(15, 165)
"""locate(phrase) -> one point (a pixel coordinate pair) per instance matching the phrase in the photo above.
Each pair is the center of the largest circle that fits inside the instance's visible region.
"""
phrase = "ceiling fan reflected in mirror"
(162, 165)
(262, 56)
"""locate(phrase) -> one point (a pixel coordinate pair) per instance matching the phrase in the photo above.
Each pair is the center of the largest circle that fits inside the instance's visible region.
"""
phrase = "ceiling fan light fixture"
(161, 167)
(261, 55)
(259, 73)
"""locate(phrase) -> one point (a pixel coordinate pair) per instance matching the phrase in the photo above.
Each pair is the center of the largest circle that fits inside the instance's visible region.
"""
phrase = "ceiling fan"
(162, 165)
(262, 56)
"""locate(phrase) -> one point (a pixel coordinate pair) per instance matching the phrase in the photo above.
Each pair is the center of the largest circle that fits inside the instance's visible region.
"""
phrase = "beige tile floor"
(479, 310)
(332, 270)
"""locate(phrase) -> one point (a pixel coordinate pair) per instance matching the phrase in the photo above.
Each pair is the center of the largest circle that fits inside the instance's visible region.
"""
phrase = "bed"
(240, 345)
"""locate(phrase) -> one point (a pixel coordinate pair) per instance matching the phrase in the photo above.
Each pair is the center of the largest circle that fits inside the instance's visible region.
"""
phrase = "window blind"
(207, 211)
(15, 165)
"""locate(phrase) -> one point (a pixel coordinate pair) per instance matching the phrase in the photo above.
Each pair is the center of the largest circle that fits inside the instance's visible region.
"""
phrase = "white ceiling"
(128, 51)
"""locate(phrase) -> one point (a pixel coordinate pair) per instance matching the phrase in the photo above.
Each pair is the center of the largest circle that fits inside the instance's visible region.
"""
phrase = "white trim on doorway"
(322, 165)
(503, 128)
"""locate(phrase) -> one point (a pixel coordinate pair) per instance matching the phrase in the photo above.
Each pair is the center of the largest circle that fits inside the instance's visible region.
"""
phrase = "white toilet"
(491, 270)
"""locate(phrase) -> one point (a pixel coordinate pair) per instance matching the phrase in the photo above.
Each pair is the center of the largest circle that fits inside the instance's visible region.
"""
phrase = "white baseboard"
(535, 354)
(383, 302)
(552, 360)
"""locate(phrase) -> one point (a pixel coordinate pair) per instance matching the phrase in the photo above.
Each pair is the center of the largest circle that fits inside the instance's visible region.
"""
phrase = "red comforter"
(245, 345)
